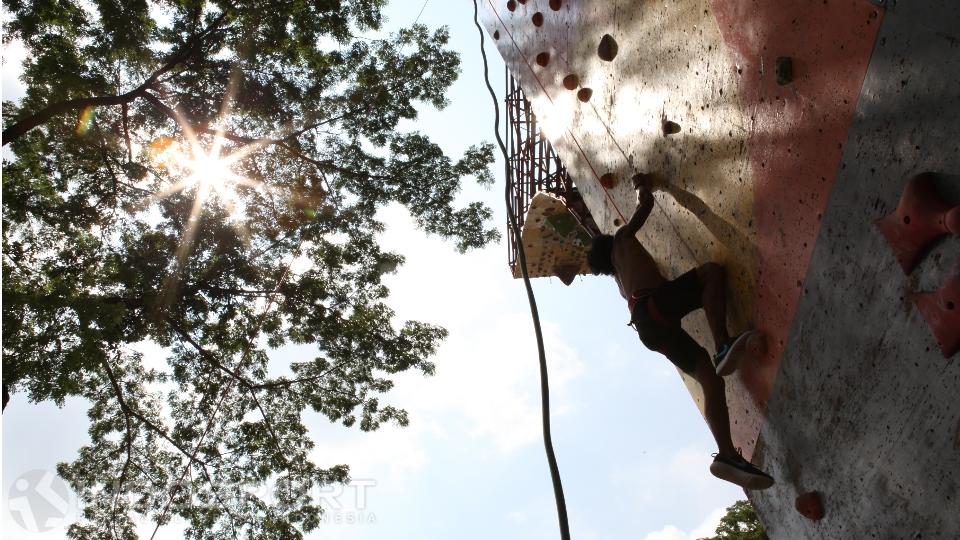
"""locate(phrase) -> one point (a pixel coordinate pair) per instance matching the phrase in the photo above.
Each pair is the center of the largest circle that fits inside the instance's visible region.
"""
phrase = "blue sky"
(633, 449)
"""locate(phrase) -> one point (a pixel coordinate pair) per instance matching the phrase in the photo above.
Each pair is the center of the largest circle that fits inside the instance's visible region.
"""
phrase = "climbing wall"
(554, 242)
(611, 124)
(781, 133)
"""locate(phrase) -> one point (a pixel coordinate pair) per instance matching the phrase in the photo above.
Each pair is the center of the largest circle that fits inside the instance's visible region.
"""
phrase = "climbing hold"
(921, 217)
(643, 180)
(751, 346)
(784, 70)
(566, 272)
(555, 5)
(537, 19)
(941, 310)
(670, 128)
(543, 59)
(571, 82)
(607, 50)
(756, 344)
(608, 181)
(584, 94)
(810, 505)
(511, 5)
(496, 34)
(523, 1)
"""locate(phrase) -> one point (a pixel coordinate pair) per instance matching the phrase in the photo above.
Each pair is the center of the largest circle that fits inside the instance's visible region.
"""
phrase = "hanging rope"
(522, 260)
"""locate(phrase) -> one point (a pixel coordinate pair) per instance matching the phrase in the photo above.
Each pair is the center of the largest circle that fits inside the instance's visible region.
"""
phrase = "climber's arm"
(645, 199)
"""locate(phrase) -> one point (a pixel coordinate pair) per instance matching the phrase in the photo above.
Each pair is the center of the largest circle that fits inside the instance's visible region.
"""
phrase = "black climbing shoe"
(722, 360)
(740, 472)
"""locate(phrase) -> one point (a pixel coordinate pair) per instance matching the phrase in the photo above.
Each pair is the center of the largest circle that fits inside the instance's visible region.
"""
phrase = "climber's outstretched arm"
(645, 198)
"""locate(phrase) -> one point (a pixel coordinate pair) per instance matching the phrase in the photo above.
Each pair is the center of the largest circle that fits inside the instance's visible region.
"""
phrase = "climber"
(656, 307)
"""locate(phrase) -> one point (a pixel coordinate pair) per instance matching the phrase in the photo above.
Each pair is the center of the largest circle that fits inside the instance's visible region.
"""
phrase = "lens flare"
(85, 120)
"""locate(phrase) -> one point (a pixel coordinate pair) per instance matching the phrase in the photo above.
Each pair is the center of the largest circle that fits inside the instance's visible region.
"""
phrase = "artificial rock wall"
(782, 182)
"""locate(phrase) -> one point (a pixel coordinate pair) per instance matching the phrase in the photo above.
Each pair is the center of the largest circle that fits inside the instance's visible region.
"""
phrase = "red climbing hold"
(584, 94)
(537, 19)
(555, 5)
(608, 181)
(941, 310)
(543, 59)
(921, 217)
(511, 5)
(810, 505)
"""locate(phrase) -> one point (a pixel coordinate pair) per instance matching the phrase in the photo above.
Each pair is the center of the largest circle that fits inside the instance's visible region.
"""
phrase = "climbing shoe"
(723, 362)
(740, 472)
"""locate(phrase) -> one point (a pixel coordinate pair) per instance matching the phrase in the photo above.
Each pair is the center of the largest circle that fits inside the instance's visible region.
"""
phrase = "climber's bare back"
(636, 272)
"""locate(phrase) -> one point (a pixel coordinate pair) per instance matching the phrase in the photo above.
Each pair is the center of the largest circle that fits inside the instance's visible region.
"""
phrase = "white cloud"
(704, 530)
(14, 54)
(389, 450)
(487, 370)
(517, 517)
(667, 533)
(486, 388)
(709, 526)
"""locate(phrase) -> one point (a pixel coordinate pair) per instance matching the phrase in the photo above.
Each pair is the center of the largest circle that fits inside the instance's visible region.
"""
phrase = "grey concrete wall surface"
(866, 410)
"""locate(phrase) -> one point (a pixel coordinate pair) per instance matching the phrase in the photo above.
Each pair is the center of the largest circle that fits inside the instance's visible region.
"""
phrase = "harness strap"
(649, 304)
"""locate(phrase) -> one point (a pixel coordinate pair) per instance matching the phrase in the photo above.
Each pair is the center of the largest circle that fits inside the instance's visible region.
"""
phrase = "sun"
(201, 166)
(213, 175)
(208, 170)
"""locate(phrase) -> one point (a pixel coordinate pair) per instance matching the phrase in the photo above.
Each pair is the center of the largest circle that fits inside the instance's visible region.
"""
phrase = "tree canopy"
(741, 522)
(206, 176)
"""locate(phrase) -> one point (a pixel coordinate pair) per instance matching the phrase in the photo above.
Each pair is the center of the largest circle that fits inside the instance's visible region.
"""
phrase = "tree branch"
(41, 117)
(291, 382)
(21, 127)
(206, 355)
(250, 387)
(153, 427)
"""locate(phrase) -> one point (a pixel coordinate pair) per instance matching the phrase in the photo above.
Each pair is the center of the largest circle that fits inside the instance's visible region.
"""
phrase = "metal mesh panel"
(534, 166)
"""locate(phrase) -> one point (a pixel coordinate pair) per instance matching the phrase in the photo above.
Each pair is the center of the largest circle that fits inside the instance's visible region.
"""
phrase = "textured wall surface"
(866, 409)
(670, 65)
(782, 184)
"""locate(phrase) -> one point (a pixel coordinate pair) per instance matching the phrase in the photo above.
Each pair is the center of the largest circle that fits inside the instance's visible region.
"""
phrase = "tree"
(741, 523)
(205, 175)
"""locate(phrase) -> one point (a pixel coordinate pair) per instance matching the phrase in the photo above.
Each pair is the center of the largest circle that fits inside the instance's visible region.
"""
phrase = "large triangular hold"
(941, 310)
(921, 217)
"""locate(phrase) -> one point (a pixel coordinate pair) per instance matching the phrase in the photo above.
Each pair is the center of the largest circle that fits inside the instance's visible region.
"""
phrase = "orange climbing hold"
(810, 505)
(941, 310)
(921, 217)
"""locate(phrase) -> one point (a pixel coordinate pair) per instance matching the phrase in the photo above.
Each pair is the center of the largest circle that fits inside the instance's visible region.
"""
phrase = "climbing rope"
(522, 260)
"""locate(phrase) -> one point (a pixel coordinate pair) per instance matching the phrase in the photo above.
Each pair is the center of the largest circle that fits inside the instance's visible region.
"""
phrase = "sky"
(632, 447)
